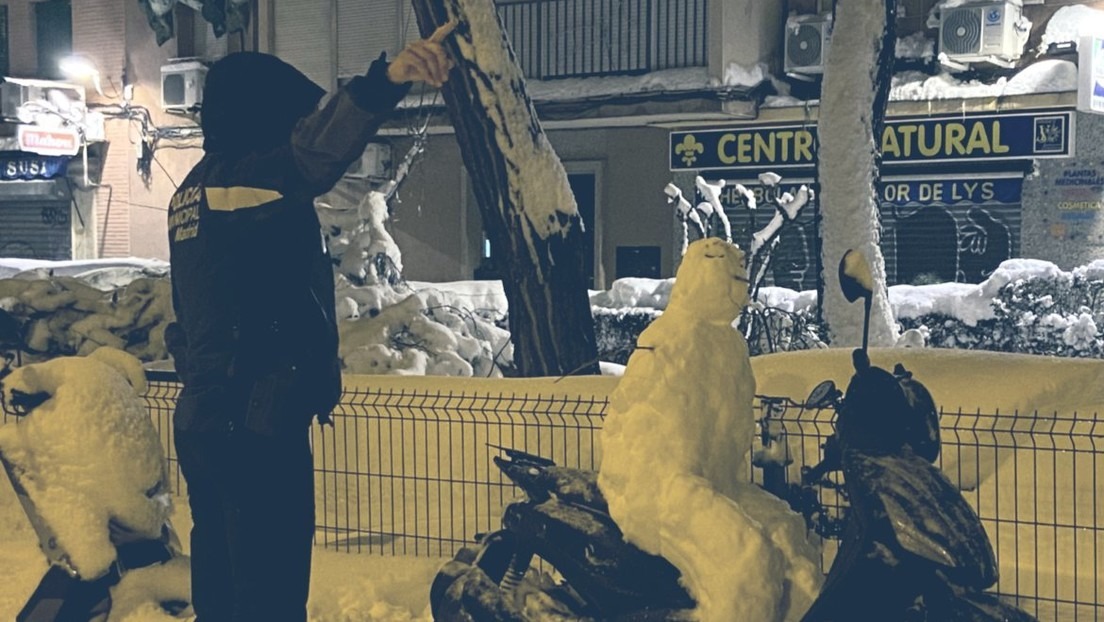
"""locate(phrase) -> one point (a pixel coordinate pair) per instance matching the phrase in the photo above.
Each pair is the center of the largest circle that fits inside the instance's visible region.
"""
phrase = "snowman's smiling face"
(712, 282)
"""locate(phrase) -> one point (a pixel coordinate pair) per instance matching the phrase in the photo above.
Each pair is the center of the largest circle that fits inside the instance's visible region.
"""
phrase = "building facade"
(633, 94)
(629, 91)
(106, 195)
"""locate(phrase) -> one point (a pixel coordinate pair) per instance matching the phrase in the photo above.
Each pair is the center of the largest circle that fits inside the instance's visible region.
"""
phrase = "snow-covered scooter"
(66, 593)
(912, 548)
(565, 521)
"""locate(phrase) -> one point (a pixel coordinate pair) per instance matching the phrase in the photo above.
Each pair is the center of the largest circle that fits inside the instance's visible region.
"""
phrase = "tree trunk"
(528, 209)
(852, 115)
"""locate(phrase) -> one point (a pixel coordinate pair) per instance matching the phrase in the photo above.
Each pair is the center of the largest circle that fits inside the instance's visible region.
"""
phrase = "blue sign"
(951, 191)
(956, 138)
(32, 167)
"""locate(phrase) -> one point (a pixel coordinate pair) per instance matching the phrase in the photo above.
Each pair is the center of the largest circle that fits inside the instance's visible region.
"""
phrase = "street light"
(80, 67)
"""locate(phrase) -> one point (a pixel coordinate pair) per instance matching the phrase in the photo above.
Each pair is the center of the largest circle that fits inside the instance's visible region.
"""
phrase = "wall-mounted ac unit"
(182, 85)
(807, 38)
(981, 32)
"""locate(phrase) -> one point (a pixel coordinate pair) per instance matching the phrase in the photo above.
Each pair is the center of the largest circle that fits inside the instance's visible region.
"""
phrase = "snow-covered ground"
(1033, 557)
(431, 447)
(344, 586)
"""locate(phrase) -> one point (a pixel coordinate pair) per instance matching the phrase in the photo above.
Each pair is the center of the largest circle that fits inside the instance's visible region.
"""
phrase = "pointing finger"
(443, 31)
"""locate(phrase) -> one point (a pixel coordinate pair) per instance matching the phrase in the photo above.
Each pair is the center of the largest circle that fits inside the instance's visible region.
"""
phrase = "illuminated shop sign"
(31, 167)
(958, 138)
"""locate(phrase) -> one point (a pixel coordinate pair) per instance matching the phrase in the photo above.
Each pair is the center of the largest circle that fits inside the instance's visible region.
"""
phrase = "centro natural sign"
(958, 138)
(59, 141)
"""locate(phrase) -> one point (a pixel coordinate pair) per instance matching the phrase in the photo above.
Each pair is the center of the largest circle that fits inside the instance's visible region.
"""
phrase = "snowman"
(88, 456)
(676, 442)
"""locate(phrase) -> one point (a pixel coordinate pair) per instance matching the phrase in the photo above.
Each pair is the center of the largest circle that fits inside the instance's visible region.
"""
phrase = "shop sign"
(952, 138)
(951, 191)
(31, 167)
(1078, 193)
(57, 141)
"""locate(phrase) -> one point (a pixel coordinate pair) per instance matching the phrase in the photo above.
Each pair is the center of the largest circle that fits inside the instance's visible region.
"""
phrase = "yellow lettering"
(906, 132)
(186, 233)
(764, 148)
(925, 148)
(955, 133)
(785, 136)
(979, 139)
(997, 147)
(743, 148)
(803, 146)
(722, 153)
(889, 142)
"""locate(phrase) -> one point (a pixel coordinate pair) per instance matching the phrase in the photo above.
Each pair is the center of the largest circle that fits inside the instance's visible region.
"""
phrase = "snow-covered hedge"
(1055, 313)
(67, 315)
(1026, 306)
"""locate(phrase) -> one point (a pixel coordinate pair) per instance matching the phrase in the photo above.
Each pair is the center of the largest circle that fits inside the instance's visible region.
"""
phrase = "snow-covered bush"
(616, 331)
(1052, 312)
(68, 315)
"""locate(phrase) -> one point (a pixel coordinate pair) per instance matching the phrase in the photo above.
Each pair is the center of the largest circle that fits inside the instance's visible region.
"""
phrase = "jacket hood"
(252, 101)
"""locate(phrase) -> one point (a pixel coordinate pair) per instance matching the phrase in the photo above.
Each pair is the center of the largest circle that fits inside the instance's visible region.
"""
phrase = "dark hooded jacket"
(252, 279)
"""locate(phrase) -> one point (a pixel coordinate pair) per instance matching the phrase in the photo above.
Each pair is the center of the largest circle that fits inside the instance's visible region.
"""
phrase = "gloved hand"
(425, 60)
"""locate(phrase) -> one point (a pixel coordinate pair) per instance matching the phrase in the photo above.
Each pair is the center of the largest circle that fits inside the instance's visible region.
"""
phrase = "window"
(54, 32)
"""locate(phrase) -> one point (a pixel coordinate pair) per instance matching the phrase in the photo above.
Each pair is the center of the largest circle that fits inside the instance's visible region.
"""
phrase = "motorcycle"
(911, 549)
(65, 594)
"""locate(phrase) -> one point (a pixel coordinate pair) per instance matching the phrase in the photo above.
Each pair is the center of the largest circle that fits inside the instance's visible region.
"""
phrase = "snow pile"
(358, 240)
(1070, 23)
(916, 46)
(390, 326)
(634, 292)
(423, 335)
(137, 596)
(89, 454)
(37, 268)
(675, 464)
(1046, 76)
(736, 74)
(64, 315)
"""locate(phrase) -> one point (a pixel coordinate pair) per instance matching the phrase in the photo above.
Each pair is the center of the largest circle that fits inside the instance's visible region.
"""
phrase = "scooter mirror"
(854, 275)
(822, 395)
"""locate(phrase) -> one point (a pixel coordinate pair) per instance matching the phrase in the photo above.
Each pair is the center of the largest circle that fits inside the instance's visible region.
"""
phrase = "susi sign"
(30, 167)
(58, 141)
(958, 138)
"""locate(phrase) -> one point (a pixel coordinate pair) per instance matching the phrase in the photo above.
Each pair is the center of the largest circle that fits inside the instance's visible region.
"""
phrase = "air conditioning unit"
(981, 32)
(182, 85)
(373, 164)
(807, 38)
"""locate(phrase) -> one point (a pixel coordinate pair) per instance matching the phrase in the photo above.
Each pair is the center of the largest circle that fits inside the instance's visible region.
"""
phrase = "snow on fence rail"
(407, 470)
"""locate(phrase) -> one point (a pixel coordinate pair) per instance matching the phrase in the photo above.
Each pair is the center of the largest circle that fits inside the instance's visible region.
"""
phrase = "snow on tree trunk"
(528, 209)
(852, 111)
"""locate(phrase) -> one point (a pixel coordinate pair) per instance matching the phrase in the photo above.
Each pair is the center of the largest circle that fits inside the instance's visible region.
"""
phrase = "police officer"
(256, 337)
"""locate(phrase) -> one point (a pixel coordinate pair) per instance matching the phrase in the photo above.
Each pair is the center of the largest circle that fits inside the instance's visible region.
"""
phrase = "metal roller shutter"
(364, 29)
(959, 231)
(304, 37)
(35, 230)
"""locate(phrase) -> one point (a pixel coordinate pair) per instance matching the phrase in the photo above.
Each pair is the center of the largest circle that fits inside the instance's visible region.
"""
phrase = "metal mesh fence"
(407, 470)
(1035, 481)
